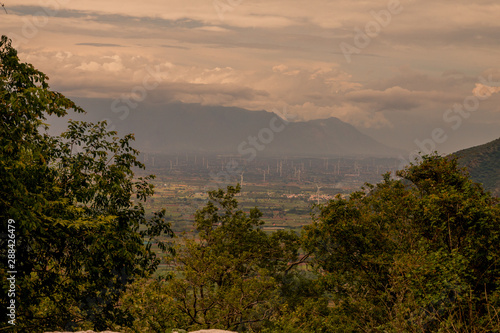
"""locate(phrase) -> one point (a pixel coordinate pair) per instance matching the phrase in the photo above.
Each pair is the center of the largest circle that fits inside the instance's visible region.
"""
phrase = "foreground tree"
(233, 275)
(419, 254)
(77, 238)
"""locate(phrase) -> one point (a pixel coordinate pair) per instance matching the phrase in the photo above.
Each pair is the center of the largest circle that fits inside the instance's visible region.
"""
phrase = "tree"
(415, 254)
(79, 234)
(232, 275)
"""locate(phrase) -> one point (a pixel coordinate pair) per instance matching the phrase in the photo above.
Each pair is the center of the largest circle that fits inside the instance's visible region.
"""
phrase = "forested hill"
(483, 163)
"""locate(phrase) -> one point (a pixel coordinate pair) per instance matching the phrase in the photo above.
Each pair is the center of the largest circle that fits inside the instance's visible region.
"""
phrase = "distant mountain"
(193, 128)
(210, 129)
(483, 163)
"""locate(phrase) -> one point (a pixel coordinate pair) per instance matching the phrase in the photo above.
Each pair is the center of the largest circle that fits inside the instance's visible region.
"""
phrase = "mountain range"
(194, 128)
(176, 128)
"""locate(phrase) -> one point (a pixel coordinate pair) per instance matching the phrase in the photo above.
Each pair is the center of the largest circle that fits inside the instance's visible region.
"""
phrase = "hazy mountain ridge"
(213, 129)
(483, 163)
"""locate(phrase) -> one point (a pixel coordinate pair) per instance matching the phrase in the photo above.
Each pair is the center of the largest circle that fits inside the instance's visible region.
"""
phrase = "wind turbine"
(317, 192)
(241, 178)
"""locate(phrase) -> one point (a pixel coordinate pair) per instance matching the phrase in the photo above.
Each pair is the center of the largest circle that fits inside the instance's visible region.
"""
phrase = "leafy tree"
(233, 275)
(79, 232)
(417, 254)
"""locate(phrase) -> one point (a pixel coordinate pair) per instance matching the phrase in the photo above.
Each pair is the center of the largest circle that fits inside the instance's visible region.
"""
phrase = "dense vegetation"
(415, 253)
(77, 238)
(483, 163)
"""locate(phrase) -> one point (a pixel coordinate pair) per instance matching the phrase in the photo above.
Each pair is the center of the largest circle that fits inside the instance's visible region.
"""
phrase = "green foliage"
(418, 254)
(78, 242)
(233, 275)
(154, 309)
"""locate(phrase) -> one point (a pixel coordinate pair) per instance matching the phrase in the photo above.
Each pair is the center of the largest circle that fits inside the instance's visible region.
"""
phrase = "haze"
(422, 65)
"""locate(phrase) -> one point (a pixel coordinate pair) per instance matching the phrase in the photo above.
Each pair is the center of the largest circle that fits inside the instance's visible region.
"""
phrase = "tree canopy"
(416, 254)
(78, 236)
(233, 274)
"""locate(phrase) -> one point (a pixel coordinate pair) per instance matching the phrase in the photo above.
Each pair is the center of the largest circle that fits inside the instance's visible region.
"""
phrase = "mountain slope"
(179, 128)
(483, 163)
(195, 128)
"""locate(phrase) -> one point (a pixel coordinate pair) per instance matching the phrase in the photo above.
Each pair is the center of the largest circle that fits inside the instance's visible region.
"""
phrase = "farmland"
(284, 189)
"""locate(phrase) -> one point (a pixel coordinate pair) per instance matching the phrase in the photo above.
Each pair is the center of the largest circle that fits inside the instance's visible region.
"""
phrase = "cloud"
(283, 69)
(263, 54)
(484, 91)
(100, 44)
(115, 65)
(397, 98)
(213, 28)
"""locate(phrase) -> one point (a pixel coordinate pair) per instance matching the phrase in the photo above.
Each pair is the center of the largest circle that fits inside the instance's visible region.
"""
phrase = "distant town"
(284, 188)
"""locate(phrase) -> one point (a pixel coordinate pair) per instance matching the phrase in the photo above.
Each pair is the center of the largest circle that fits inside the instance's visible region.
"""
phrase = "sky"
(413, 74)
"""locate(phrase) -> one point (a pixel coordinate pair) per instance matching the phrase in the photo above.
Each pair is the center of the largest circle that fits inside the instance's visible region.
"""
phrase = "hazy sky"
(394, 69)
